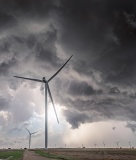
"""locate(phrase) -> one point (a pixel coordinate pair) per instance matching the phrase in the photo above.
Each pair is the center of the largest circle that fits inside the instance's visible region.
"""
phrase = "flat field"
(90, 154)
(11, 154)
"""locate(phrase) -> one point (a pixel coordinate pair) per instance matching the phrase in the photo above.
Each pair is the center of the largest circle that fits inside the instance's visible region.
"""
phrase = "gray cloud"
(75, 118)
(37, 37)
(113, 105)
(78, 88)
(101, 35)
(132, 126)
(4, 103)
(7, 21)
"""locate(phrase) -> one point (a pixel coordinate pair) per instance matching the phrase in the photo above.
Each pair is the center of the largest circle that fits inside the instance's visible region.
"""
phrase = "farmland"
(70, 154)
(11, 154)
(90, 154)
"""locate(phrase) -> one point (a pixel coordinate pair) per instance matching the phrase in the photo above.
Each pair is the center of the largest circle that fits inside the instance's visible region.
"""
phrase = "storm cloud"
(36, 38)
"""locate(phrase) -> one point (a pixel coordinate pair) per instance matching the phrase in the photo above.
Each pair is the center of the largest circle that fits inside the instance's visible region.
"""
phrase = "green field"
(48, 155)
(12, 155)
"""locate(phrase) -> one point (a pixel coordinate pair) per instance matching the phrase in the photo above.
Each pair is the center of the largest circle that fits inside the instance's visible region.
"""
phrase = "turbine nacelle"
(44, 80)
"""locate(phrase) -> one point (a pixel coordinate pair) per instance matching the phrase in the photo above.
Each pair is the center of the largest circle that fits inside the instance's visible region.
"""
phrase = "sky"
(94, 94)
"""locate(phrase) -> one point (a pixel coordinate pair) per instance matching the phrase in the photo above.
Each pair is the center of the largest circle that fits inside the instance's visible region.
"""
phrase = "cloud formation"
(36, 38)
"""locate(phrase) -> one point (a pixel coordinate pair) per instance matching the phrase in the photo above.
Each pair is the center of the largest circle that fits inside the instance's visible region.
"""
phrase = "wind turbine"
(117, 144)
(129, 144)
(113, 128)
(47, 89)
(30, 136)
(95, 145)
(104, 144)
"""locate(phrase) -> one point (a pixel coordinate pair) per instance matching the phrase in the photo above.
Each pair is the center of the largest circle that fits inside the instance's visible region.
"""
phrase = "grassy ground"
(48, 155)
(89, 153)
(12, 155)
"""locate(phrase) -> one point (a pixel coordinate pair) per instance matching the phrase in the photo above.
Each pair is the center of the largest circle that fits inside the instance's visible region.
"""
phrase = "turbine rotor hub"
(44, 80)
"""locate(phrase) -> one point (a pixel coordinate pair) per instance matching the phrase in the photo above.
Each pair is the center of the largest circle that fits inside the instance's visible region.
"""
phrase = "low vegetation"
(89, 153)
(48, 155)
(11, 155)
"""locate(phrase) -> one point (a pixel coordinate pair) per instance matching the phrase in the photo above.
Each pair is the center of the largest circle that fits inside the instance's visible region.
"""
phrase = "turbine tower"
(129, 144)
(47, 89)
(30, 136)
(104, 144)
(95, 145)
(117, 144)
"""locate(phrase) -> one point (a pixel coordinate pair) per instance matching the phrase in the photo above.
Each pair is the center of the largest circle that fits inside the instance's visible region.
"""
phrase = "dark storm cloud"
(114, 90)
(99, 84)
(132, 126)
(27, 8)
(45, 49)
(6, 21)
(100, 32)
(75, 118)
(5, 66)
(98, 107)
(80, 88)
(101, 35)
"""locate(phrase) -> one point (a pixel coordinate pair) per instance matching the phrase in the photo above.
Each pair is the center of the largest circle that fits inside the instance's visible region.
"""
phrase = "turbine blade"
(34, 132)
(59, 69)
(28, 131)
(32, 79)
(52, 102)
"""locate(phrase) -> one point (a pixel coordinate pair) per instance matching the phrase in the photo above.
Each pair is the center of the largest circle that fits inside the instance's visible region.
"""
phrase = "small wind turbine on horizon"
(129, 144)
(30, 136)
(95, 145)
(104, 144)
(47, 89)
(113, 128)
(117, 144)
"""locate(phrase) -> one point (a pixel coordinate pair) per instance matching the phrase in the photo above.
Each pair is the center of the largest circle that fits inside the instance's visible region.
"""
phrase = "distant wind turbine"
(95, 145)
(104, 144)
(113, 128)
(83, 146)
(30, 136)
(47, 89)
(117, 144)
(129, 144)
